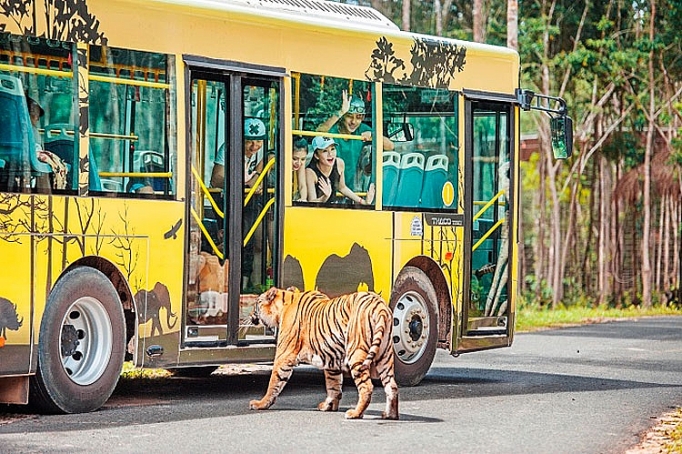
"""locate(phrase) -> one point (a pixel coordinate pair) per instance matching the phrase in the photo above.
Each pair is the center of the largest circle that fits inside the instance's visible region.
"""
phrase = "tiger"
(351, 331)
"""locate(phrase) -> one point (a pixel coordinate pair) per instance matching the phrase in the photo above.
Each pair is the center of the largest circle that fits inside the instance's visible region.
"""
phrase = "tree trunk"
(438, 10)
(513, 24)
(406, 15)
(479, 21)
(646, 233)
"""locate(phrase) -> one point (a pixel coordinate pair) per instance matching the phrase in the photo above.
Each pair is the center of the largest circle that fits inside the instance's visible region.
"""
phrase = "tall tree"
(646, 234)
(479, 20)
(513, 24)
(406, 16)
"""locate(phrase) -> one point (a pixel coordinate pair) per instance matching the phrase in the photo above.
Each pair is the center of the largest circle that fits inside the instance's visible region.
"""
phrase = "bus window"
(422, 173)
(339, 110)
(37, 115)
(131, 148)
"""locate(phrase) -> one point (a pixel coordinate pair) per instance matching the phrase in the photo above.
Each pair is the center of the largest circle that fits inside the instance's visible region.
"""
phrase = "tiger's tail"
(382, 321)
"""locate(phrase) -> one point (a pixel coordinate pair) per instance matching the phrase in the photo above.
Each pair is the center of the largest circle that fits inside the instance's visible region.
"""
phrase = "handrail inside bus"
(136, 174)
(302, 132)
(255, 225)
(488, 233)
(207, 235)
(258, 182)
(207, 192)
(489, 204)
(96, 135)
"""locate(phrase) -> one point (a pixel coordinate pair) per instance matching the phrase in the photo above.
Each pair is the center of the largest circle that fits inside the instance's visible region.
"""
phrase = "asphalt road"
(589, 389)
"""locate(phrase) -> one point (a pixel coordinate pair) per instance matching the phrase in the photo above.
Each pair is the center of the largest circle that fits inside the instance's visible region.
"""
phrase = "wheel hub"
(410, 327)
(70, 341)
(416, 327)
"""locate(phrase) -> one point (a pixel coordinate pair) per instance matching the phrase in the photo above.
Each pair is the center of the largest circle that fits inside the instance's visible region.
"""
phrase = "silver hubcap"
(410, 327)
(86, 341)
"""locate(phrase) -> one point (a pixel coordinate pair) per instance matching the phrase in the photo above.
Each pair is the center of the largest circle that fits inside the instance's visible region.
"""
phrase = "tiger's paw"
(328, 405)
(385, 415)
(258, 405)
(353, 414)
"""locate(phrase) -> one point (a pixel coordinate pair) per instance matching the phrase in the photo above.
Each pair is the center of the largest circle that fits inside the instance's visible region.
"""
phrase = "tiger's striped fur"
(348, 332)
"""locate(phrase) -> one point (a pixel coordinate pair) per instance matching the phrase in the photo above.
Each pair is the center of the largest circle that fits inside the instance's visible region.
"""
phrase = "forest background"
(604, 227)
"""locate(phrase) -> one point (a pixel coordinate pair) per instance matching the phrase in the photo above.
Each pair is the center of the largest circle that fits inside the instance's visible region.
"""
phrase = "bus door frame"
(471, 337)
(233, 74)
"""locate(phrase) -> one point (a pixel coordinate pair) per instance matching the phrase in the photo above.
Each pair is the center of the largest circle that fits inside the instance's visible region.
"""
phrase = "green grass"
(530, 318)
(130, 372)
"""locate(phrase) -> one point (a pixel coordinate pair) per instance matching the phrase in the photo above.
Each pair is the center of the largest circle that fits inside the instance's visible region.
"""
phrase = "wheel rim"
(410, 327)
(86, 340)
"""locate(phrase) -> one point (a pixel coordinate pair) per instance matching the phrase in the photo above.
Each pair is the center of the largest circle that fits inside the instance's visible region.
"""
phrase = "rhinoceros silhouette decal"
(9, 319)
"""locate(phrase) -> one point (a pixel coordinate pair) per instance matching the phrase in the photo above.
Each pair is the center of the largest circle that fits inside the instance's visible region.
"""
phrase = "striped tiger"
(348, 332)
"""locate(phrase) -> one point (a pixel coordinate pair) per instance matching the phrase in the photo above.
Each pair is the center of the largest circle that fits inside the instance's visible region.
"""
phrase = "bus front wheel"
(415, 325)
(81, 345)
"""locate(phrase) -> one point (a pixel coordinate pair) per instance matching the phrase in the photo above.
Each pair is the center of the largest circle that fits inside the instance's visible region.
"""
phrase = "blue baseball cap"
(254, 129)
(320, 143)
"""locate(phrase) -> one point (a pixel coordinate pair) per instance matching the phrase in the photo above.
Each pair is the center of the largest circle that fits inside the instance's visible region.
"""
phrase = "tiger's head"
(269, 306)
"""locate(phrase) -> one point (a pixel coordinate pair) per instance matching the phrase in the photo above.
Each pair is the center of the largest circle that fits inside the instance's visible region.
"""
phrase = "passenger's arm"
(218, 176)
(302, 185)
(331, 121)
(345, 190)
(312, 182)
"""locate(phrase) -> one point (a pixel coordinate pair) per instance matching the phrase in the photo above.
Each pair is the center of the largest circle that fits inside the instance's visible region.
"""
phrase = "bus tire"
(415, 325)
(81, 345)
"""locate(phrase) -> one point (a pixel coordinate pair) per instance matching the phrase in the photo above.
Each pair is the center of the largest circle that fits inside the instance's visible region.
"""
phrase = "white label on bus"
(416, 228)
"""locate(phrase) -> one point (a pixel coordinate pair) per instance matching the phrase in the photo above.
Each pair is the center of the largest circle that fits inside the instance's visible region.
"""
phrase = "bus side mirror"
(400, 132)
(562, 136)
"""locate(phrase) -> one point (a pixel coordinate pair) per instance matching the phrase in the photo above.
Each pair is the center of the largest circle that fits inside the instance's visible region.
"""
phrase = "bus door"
(487, 203)
(234, 142)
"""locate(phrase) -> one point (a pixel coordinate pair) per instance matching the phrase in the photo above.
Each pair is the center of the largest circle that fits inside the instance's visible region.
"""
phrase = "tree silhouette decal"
(64, 20)
(433, 63)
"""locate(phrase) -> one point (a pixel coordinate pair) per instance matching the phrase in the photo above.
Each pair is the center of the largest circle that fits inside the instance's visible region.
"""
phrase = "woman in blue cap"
(324, 175)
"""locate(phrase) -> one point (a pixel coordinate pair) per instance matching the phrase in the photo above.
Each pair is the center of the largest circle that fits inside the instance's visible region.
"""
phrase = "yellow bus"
(148, 191)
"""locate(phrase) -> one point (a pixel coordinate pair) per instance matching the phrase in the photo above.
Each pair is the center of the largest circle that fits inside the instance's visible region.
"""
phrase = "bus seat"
(59, 142)
(94, 181)
(435, 176)
(150, 161)
(410, 181)
(391, 169)
(59, 139)
(17, 143)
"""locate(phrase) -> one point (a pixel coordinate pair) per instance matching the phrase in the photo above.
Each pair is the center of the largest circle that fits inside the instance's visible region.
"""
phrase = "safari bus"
(148, 192)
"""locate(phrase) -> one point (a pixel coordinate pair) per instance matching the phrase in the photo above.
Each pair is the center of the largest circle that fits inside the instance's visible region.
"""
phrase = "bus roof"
(315, 10)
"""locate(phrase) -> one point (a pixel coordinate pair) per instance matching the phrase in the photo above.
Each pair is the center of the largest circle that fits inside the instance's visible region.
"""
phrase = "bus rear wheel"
(81, 345)
(415, 325)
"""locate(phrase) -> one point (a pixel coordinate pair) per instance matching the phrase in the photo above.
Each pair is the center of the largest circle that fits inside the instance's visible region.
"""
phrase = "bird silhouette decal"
(173, 232)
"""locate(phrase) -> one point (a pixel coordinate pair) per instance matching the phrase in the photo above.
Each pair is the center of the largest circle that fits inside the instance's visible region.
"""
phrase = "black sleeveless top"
(333, 178)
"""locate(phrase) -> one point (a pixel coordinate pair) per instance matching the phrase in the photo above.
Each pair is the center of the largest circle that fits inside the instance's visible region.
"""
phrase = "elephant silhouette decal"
(340, 275)
(9, 319)
(156, 299)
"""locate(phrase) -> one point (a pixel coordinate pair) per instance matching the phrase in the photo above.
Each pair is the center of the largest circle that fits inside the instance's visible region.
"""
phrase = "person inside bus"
(349, 120)
(254, 136)
(325, 175)
(299, 155)
(42, 182)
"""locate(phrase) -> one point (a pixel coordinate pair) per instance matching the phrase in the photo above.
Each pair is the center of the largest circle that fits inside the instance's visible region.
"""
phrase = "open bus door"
(234, 145)
(486, 310)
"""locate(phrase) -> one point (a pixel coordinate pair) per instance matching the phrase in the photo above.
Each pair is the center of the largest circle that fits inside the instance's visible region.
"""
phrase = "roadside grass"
(130, 372)
(534, 318)
(674, 443)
